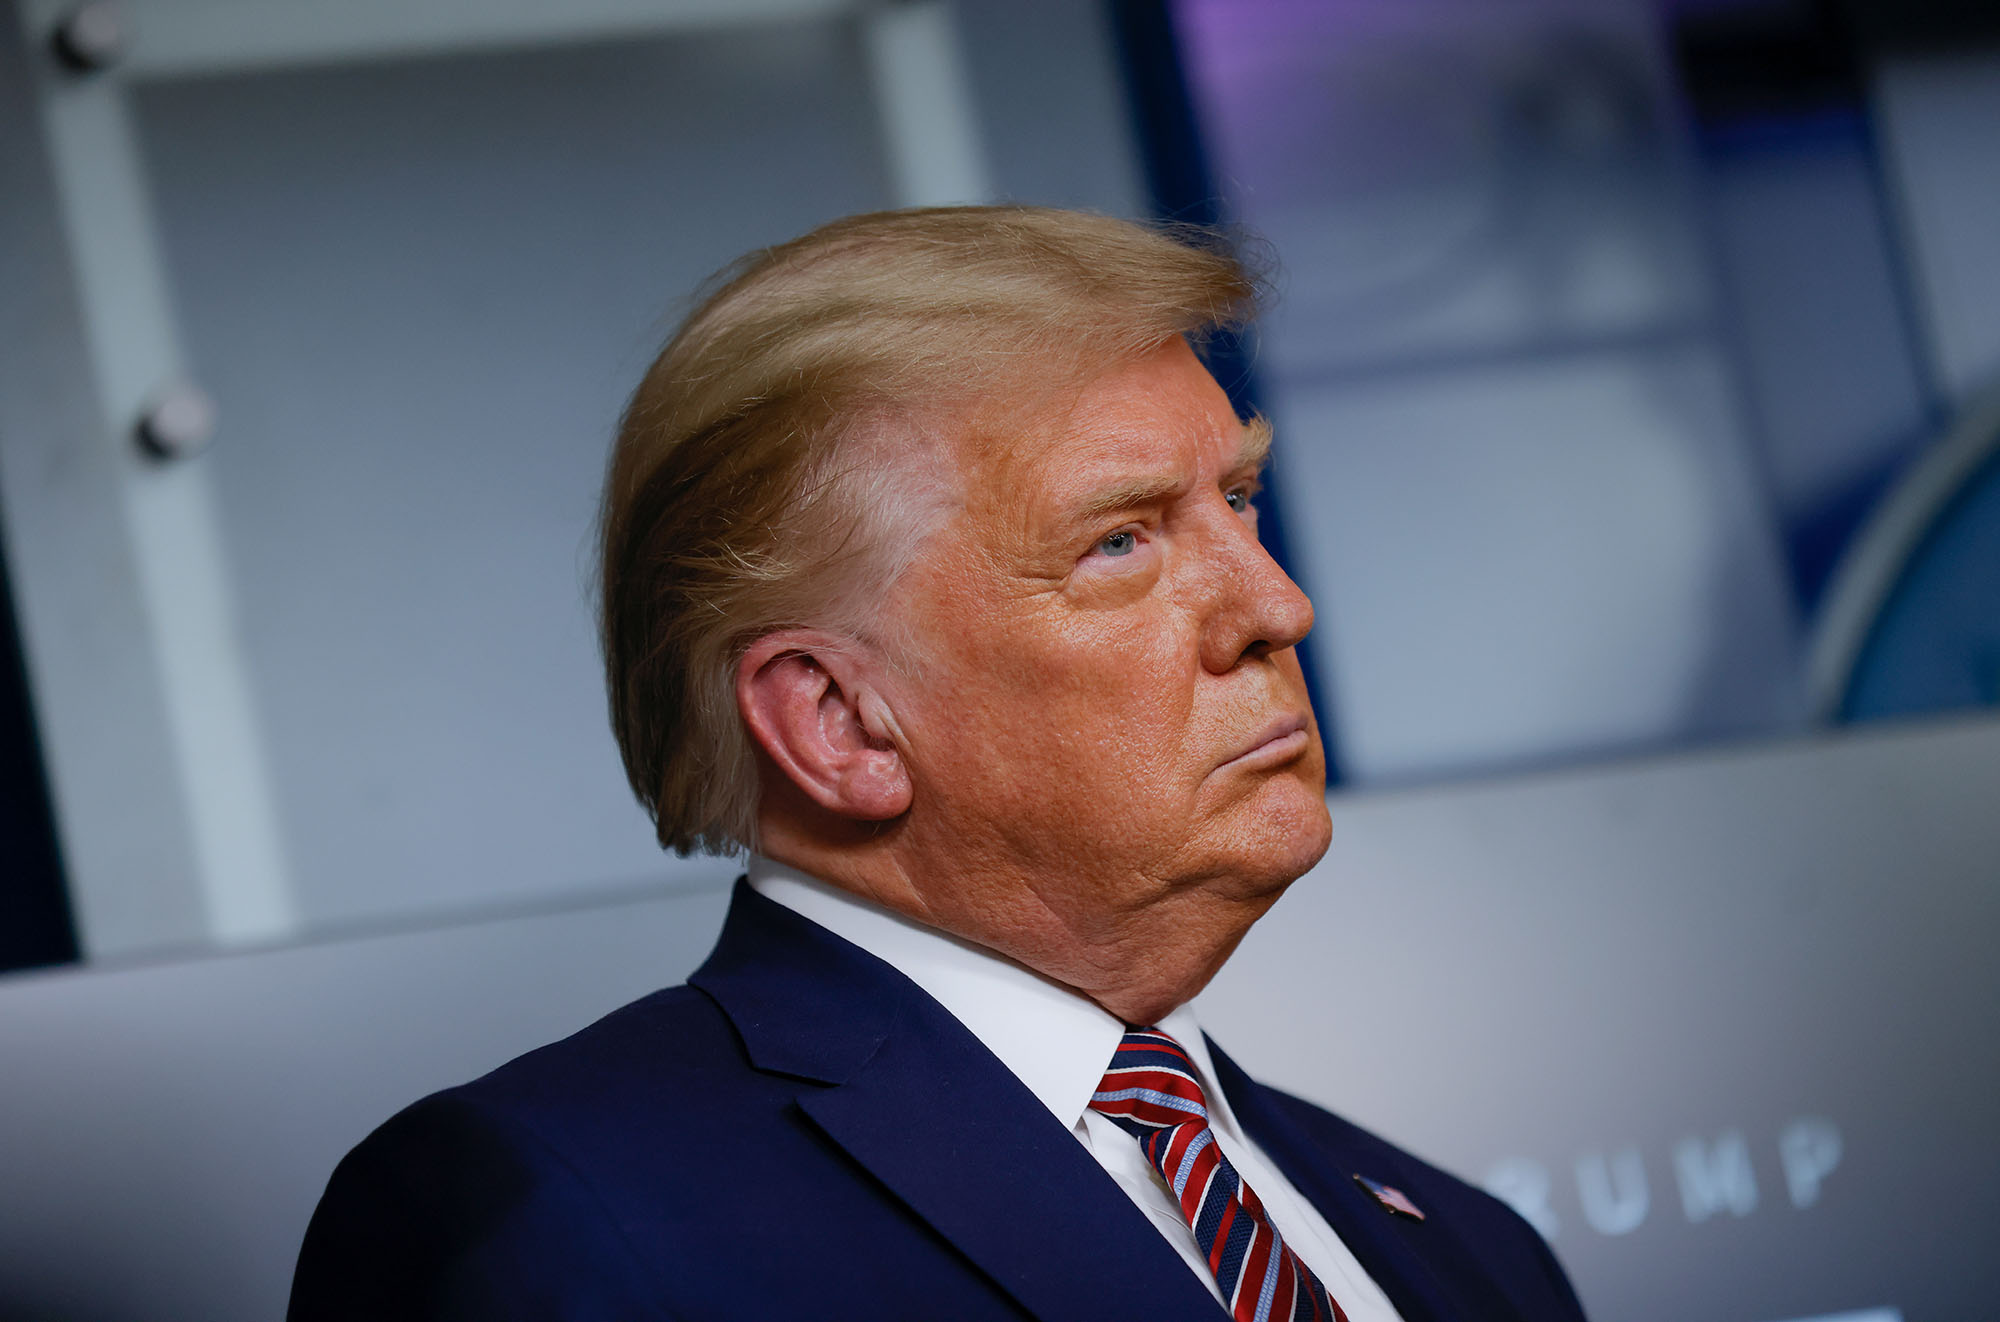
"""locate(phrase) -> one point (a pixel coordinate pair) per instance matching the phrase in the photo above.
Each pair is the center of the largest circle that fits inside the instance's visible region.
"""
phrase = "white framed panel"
(1450, 178)
(417, 254)
(1935, 117)
(420, 291)
(1528, 562)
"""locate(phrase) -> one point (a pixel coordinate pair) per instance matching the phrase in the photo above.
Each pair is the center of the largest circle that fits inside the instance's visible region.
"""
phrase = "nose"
(1258, 610)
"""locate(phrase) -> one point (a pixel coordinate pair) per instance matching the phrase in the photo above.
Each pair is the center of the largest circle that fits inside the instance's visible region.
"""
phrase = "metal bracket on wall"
(179, 560)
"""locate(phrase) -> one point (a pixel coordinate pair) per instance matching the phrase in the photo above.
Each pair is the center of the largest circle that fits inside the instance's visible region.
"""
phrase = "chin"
(1286, 831)
(1303, 840)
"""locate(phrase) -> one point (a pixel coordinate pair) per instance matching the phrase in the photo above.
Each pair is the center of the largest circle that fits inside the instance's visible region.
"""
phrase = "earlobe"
(805, 700)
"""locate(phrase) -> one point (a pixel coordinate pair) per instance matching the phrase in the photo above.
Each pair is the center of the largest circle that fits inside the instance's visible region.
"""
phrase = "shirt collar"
(1183, 1028)
(1053, 1039)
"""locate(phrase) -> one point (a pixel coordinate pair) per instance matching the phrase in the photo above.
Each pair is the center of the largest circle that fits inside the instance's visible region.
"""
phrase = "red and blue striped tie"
(1151, 1093)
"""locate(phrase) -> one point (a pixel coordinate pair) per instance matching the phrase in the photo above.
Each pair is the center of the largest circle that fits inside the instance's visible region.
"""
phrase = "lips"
(1281, 740)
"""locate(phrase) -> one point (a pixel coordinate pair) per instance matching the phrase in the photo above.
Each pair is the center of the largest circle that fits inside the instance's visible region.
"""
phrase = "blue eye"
(1239, 499)
(1122, 542)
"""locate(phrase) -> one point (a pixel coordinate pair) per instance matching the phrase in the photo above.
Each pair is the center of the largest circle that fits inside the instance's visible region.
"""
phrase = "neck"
(1139, 961)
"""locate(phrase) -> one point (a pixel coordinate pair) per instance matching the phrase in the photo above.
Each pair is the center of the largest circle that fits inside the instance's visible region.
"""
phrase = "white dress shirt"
(1059, 1044)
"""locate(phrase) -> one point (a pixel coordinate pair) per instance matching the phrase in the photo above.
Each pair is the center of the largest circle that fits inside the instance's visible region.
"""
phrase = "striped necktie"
(1151, 1093)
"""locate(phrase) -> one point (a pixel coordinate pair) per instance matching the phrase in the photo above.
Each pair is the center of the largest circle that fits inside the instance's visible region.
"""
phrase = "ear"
(807, 701)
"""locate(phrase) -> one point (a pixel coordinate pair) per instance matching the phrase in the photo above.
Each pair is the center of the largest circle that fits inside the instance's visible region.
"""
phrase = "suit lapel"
(919, 1102)
(1420, 1265)
(971, 1150)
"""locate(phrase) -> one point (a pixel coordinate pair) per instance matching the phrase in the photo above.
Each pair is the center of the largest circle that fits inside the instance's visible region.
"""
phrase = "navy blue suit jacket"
(802, 1132)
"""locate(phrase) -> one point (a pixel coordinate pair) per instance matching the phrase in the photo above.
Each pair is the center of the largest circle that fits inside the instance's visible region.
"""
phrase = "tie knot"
(1150, 1092)
(1150, 1084)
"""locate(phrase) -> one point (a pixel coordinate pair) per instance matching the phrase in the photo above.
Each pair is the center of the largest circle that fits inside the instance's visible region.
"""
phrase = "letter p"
(1809, 1148)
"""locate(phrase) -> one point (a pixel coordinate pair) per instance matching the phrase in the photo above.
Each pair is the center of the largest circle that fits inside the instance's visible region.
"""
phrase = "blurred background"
(1636, 377)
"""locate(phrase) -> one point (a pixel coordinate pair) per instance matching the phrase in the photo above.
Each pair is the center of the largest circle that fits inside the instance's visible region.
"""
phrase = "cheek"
(1131, 691)
(1093, 707)
(1026, 696)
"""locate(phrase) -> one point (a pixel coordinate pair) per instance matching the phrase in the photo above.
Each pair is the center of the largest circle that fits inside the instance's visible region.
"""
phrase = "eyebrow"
(1255, 450)
(1252, 452)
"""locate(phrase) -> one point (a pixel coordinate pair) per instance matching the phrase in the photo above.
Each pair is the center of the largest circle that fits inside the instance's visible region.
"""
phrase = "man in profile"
(931, 580)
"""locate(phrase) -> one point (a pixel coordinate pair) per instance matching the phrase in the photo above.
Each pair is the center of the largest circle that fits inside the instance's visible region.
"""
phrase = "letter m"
(1715, 1176)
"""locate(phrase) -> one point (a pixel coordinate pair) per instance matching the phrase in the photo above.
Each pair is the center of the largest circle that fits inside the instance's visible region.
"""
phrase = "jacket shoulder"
(451, 1210)
(666, 1050)
(476, 1202)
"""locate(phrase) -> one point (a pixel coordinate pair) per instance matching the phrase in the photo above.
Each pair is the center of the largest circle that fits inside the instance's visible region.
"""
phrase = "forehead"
(1159, 415)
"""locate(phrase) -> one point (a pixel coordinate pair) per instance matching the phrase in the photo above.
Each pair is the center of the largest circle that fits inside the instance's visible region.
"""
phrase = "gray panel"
(1552, 972)
(419, 292)
(165, 1131)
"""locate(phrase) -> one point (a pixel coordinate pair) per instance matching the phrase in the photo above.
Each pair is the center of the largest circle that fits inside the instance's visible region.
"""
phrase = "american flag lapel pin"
(1394, 1201)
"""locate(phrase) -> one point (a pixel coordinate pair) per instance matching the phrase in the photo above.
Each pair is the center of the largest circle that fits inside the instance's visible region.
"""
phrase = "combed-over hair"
(747, 486)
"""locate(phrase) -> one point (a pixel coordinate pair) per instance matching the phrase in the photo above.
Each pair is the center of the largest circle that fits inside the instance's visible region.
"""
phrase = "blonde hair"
(753, 483)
